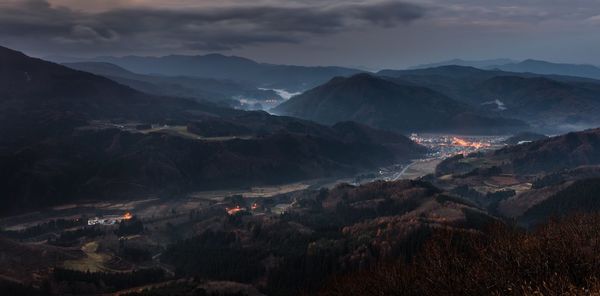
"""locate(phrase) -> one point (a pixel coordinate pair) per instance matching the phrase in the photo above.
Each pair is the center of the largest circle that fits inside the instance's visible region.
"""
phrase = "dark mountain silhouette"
(482, 64)
(220, 91)
(455, 81)
(67, 135)
(526, 66)
(543, 67)
(552, 103)
(32, 86)
(542, 157)
(562, 152)
(387, 105)
(579, 197)
(216, 66)
(543, 99)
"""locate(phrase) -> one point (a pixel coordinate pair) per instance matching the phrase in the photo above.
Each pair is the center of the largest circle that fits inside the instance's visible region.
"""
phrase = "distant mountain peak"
(482, 64)
(362, 81)
(222, 56)
(358, 77)
(385, 104)
(551, 68)
(533, 61)
(234, 68)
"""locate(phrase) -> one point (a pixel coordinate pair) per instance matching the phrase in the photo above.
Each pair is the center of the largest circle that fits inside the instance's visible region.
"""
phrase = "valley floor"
(167, 221)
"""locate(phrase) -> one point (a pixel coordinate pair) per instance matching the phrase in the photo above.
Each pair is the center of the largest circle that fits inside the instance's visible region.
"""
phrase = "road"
(398, 175)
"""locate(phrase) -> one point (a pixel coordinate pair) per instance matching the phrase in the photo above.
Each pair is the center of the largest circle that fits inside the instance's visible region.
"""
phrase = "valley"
(109, 247)
(440, 147)
(218, 175)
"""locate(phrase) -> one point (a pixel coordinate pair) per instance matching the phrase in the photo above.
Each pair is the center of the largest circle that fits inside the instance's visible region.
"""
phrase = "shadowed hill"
(220, 91)
(550, 102)
(29, 84)
(387, 105)
(291, 78)
(562, 152)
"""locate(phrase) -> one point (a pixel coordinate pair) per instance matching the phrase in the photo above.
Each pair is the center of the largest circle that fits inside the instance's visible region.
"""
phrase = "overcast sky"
(368, 33)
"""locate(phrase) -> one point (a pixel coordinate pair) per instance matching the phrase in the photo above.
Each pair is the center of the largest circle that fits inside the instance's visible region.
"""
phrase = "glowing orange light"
(234, 210)
(254, 206)
(127, 216)
(463, 143)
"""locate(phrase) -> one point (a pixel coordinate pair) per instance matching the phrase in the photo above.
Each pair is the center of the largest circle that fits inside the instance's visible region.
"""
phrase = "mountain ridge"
(225, 92)
(544, 67)
(387, 105)
(551, 103)
(289, 77)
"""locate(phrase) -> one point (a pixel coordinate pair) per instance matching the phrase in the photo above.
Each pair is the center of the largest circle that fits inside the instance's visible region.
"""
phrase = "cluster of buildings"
(109, 220)
(443, 146)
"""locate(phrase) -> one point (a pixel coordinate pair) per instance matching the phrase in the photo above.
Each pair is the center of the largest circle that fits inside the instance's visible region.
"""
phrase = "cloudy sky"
(367, 33)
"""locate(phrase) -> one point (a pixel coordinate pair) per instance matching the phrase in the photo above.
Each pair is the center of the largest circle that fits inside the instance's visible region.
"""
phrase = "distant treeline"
(43, 228)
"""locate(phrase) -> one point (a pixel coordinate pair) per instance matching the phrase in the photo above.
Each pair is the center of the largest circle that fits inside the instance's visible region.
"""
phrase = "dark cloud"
(143, 29)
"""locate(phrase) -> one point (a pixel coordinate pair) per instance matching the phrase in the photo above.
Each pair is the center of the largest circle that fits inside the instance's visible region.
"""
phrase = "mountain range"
(525, 66)
(543, 67)
(385, 104)
(225, 92)
(482, 64)
(135, 142)
(238, 69)
(551, 103)
(551, 97)
(70, 135)
(300, 78)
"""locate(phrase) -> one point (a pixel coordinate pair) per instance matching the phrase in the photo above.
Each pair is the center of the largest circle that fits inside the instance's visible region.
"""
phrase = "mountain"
(530, 182)
(580, 196)
(387, 105)
(543, 67)
(216, 66)
(551, 103)
(457, 81)
(526, 66)
(68, 135)
(549, 155)
(482, 64)
(220, 91)
(33, 87)
(562, 152)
